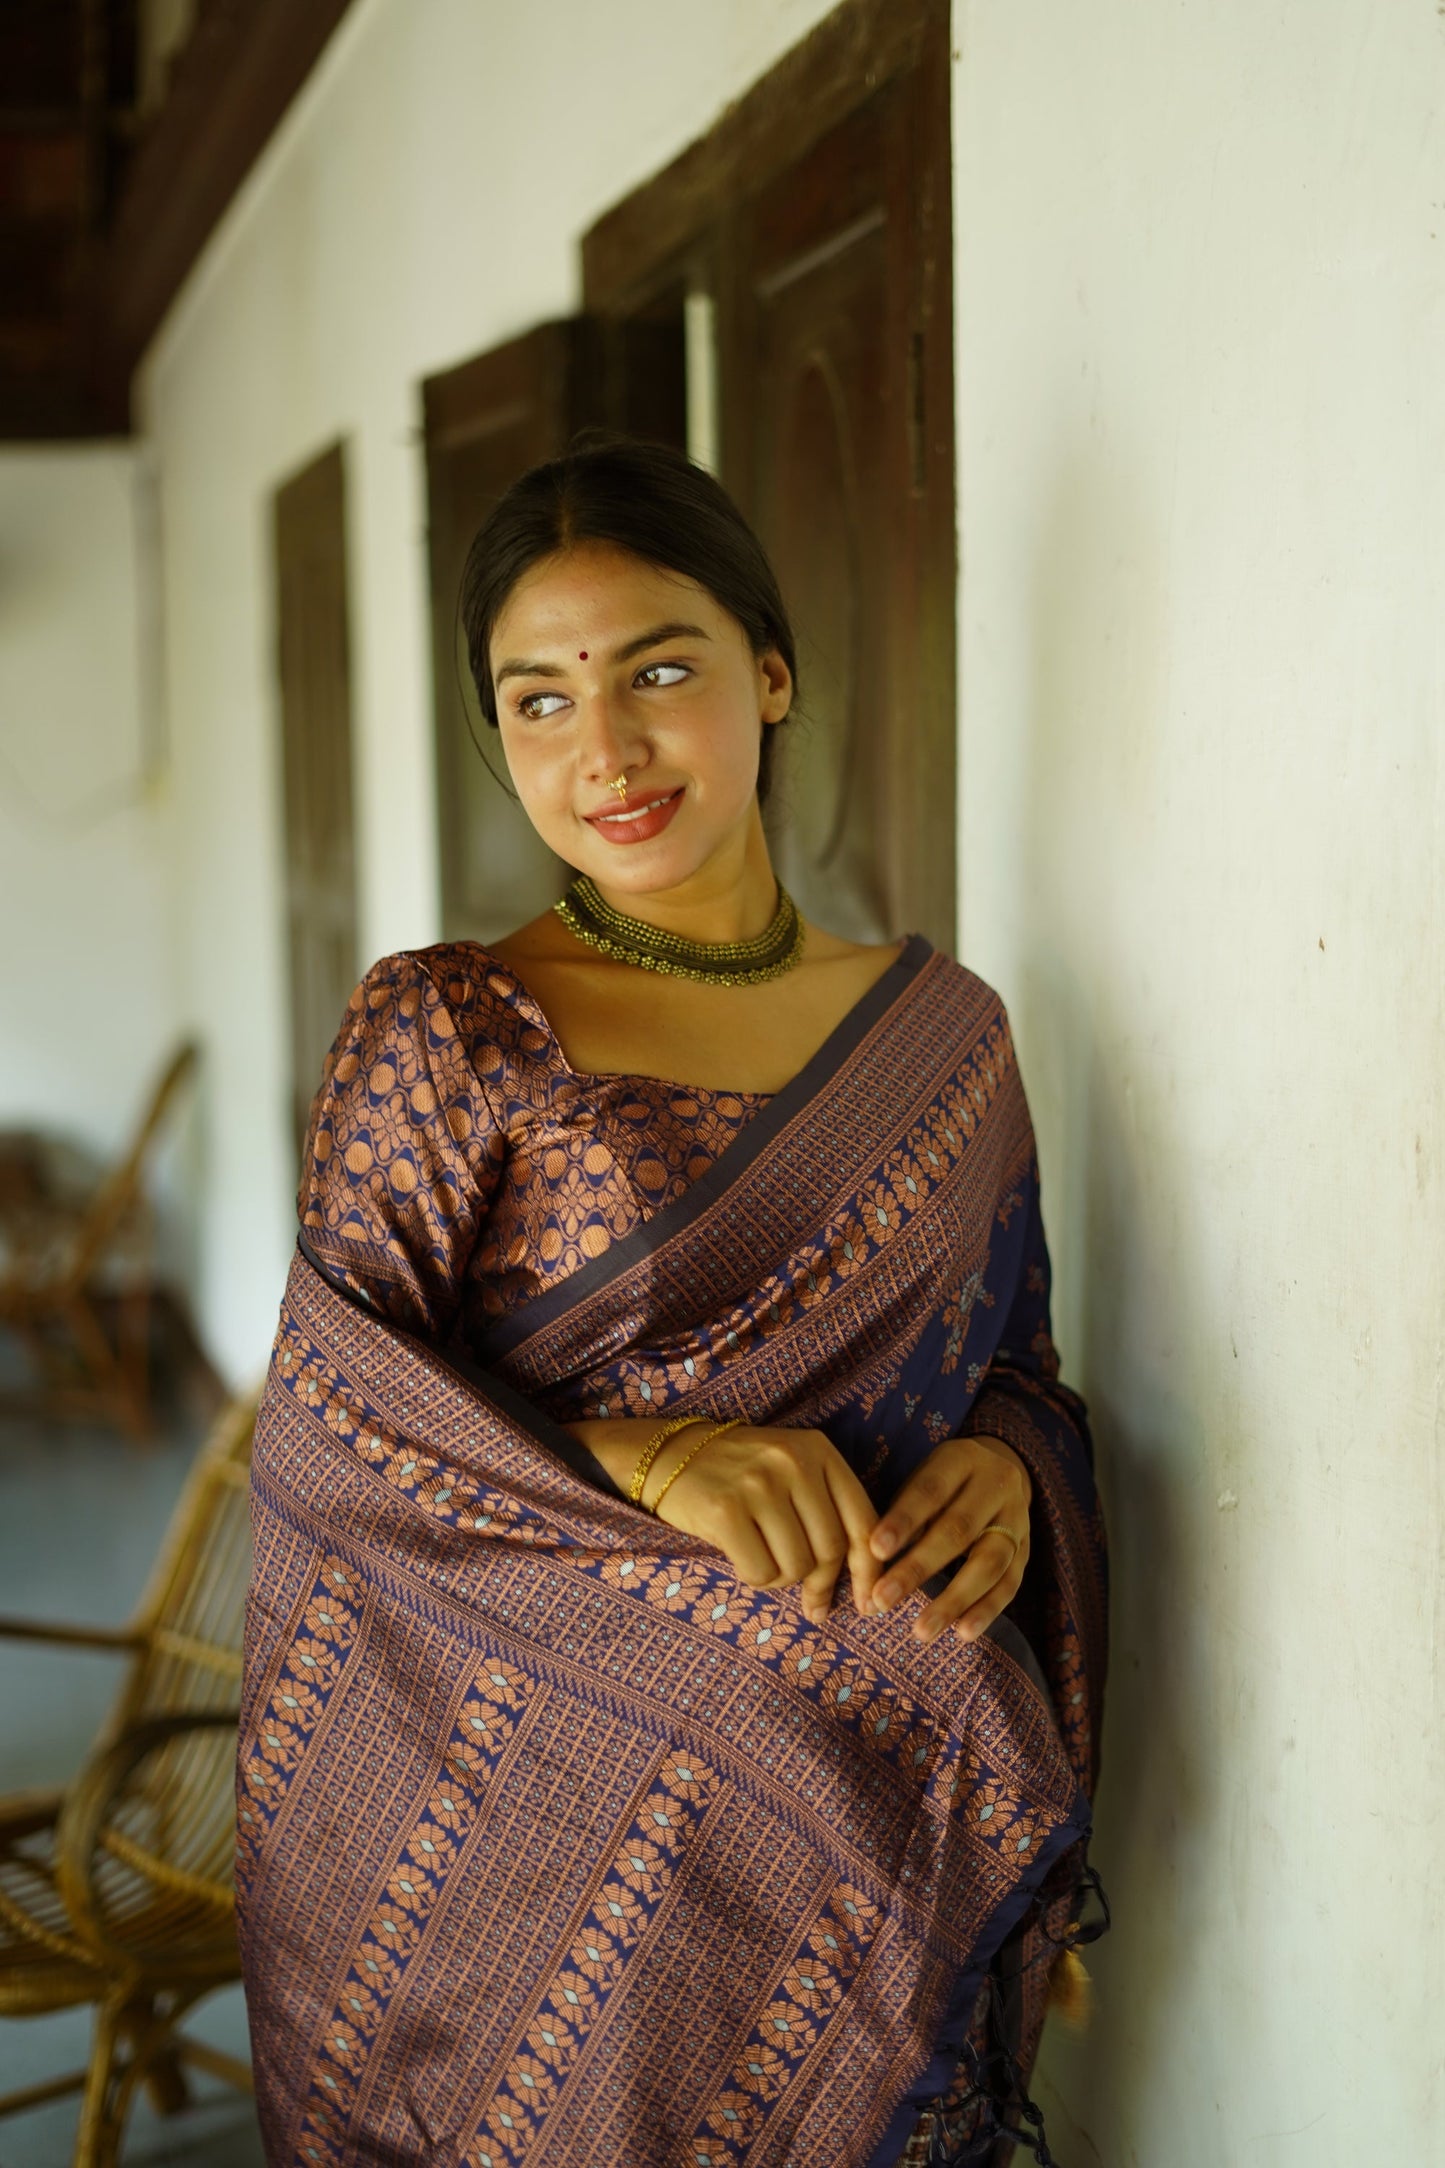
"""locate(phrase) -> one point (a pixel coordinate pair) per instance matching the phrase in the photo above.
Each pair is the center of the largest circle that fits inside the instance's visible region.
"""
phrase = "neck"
(731, 898)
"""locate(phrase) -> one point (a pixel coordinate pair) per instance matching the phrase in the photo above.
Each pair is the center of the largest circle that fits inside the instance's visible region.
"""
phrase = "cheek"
(736, 785)
(721, 747)
(535, 766)
(542, 778)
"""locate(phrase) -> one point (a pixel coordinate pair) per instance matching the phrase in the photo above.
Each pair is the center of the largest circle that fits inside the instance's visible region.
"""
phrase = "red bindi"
(581, 654)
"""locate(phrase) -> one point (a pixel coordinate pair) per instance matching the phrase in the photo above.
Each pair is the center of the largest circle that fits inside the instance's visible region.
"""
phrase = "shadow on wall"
(1131, 1297)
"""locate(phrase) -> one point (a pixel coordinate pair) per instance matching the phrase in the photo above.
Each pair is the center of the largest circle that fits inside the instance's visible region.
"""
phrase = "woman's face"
(606, 666)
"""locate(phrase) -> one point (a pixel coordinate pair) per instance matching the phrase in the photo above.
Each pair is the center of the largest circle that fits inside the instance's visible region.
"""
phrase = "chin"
(631, 877)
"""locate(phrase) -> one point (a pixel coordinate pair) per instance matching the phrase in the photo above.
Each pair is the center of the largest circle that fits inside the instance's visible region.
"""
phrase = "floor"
(81, 1514)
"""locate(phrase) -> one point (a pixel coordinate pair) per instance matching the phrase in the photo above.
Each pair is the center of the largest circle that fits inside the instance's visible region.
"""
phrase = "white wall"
(90, 997)
(1201, 299)
(423, 200)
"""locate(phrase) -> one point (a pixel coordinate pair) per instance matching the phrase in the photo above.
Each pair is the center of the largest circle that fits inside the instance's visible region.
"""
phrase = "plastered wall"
(90, 995)
(1201, 299)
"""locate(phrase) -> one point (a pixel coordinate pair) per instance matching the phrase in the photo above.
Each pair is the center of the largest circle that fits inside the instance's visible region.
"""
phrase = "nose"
(608, 741)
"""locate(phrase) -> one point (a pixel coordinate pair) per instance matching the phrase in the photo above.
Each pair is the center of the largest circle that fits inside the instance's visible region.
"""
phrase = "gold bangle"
(651, 1450)
(993, 1529)
(716, 1432)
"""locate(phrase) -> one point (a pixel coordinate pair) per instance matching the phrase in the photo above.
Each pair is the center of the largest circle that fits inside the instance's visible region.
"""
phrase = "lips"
(635, 824)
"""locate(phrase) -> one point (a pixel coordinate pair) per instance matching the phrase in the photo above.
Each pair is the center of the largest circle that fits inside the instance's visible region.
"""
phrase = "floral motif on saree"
(559, 1845)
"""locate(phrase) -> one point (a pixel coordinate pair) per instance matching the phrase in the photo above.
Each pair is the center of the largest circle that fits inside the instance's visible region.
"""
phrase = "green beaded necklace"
(716, 963)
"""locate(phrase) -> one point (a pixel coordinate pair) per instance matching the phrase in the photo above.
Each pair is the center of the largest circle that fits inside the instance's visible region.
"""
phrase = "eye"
(535, 706)
(659, 674)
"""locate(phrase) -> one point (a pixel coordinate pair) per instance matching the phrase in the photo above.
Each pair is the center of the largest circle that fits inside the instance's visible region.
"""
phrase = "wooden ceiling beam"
(230, 86)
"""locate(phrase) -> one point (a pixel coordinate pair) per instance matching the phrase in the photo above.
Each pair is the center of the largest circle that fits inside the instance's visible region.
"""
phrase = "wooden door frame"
(650, 236)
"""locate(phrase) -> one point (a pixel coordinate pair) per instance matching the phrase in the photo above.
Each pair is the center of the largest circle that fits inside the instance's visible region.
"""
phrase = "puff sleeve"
(402, 1153)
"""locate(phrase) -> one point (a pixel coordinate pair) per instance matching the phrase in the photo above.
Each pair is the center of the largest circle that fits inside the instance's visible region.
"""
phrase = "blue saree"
(558, 1844)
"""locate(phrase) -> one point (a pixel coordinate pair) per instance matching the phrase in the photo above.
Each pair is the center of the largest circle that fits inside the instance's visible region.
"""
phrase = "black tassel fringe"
(988, 2103)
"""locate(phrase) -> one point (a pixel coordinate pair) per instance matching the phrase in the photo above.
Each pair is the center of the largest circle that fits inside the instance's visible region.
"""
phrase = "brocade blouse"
(456, 1165)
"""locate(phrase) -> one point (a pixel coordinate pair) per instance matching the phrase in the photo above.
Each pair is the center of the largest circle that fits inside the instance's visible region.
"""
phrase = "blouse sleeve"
(402, 1153)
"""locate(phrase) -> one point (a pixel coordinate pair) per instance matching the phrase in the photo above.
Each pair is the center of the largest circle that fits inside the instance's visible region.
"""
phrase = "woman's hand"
(782, 1505)
(965, 1486)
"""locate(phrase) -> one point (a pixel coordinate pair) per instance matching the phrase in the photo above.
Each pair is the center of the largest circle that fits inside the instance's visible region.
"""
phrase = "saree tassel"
(989, 2105)
(1071, 1991)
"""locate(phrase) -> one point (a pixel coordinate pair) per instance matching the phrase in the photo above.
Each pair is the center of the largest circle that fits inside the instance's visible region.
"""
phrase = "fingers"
(838, 1517)
(923, 1496)
(786, 1509)
(811, 1511)
(748, 1555)
(767, 1545)
(735, 1534)
(786, 1537)
(983, 1587)
(948, 1538)
(965, 1485)
(828, 1541)
(858, 1518)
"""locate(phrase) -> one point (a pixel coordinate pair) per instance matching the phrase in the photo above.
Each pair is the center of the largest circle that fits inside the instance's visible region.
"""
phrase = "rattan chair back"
(87, 1331)
(160, 1880)
(117, 1890)
(121, 1193)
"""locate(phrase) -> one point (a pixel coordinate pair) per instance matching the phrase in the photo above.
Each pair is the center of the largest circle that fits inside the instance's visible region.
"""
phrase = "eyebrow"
(520, 666)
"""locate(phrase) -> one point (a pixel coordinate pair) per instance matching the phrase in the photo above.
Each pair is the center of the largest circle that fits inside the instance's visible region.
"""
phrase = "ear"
(775, 684)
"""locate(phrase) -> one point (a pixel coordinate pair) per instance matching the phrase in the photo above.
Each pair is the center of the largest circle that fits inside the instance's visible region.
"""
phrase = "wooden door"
(487, 421)
(825, 442)
(313, 658)
(817, 216)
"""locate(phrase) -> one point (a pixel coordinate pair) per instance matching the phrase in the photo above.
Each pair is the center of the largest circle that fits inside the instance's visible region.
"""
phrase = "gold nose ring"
(619, 784)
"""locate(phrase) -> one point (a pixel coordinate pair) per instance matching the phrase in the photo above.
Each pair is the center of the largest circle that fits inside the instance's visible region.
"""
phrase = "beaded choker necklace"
(717, 963)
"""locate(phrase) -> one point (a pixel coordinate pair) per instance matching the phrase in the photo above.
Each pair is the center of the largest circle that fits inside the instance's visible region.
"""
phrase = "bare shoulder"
(855, 963)
(543, 939)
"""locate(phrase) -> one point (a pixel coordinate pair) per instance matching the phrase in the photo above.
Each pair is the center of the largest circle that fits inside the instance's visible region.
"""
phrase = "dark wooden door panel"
(486, 423)
(821, 390)
(807, 402)
(818, 214)
(313, 656)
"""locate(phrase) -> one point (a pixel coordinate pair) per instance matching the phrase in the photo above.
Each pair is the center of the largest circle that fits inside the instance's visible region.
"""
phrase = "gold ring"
(993, 1529)
(619, 784)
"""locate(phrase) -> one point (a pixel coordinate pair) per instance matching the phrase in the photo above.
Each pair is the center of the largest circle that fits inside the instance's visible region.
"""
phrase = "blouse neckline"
(528, 1001)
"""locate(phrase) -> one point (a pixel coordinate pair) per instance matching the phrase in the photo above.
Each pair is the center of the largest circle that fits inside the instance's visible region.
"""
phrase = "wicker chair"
(59, 1259)
(116, 1890)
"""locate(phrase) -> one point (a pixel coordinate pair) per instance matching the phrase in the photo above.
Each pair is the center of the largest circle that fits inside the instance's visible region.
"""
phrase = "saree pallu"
(558, 1844)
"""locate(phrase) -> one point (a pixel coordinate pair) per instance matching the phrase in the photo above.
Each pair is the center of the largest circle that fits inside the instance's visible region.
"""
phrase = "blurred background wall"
(90, 991)
(1201, 320)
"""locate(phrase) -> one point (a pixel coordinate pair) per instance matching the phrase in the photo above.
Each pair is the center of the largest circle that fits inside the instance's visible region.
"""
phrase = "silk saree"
(559, 1845)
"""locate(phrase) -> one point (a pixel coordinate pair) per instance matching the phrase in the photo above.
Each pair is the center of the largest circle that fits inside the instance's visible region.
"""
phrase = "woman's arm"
(978, 1483)
(783, 1505)
(402, 1154)
(970, 1500)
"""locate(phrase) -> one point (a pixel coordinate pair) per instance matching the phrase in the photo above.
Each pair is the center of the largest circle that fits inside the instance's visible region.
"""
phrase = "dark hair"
(643, 497)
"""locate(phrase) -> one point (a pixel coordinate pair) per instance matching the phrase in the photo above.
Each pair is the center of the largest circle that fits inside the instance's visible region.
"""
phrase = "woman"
(657, 1264)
